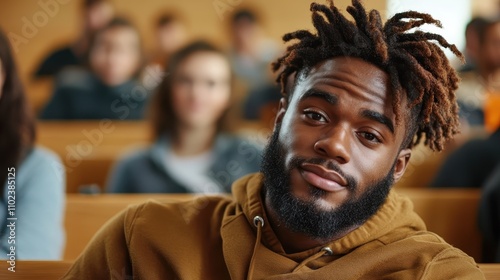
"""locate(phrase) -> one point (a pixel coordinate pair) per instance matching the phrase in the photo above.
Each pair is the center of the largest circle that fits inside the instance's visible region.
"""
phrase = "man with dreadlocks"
(357, 97)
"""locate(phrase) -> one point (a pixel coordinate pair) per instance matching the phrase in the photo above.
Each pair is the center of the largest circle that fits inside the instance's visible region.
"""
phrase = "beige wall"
(485, 7)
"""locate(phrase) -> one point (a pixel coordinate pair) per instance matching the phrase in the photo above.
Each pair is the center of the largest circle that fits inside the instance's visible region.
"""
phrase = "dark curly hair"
(416, 64)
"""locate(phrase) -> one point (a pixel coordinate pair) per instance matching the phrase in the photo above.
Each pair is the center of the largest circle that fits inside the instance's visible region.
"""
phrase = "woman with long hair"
(191, 152)
(32, 180)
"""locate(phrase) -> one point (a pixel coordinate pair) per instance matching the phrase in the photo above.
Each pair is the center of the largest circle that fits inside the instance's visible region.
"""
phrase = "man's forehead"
(352, 74)
(352, 65)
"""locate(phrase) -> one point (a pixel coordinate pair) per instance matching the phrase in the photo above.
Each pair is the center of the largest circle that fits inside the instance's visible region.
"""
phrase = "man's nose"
(335, 144)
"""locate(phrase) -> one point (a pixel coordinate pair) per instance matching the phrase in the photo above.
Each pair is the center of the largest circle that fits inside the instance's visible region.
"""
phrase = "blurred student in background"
(110, 89)
(171, 34)
(191, 154)
(95, 15)
(478, 96)
(473, 31)
(31, 176)
(251, 54)
(470, 165)
(480, 86)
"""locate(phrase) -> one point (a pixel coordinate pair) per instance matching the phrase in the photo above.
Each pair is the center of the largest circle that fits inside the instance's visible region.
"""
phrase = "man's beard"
(305, 216)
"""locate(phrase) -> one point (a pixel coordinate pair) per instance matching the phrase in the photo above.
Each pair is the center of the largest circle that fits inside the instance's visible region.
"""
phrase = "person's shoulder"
(451, 262)
(475, 148)
(40, 167)
(243, 150)
(39, 157)
(432, 245)
(59, 53)
(233, 141)
(176, 213)
(135, 156)
(75, 77)
(173, 202)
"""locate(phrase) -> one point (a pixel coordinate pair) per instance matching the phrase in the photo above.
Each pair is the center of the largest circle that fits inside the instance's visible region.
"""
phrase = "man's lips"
(323, 178)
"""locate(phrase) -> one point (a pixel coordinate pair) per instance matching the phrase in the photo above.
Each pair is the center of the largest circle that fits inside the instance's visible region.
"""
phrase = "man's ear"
(401, 164)
(283, 105)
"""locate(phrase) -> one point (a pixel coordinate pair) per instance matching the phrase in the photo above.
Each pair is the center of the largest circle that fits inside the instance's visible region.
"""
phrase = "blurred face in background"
(98, 15)
(245, 33)
(201, 89)
(471, 43)
(490, 54)
(116, 55)
(171, 36)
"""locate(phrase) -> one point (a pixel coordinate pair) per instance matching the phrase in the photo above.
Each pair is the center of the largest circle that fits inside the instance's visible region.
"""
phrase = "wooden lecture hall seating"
(88, 149)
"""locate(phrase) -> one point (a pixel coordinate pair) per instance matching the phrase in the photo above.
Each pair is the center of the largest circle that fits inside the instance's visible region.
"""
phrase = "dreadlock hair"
(414, 61)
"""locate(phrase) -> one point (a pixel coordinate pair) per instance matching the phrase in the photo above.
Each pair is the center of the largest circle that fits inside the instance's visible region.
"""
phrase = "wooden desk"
(491, 270)
(89, 149)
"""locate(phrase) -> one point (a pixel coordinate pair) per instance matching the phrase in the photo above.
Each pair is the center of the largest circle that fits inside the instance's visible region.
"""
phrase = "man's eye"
(315, 116)
(369, 136)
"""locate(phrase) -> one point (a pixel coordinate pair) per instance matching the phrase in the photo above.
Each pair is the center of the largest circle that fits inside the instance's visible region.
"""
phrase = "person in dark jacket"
(110, 90)
(191, 154)
(489, 217)
(95, 15)
(470, 165)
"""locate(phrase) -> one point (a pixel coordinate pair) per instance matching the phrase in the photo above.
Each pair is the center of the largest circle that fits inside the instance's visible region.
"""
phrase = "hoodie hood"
(247, 233)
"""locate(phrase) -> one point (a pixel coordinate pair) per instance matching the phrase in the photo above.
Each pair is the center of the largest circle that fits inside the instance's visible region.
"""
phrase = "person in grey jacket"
(191, 153)
(32, 179)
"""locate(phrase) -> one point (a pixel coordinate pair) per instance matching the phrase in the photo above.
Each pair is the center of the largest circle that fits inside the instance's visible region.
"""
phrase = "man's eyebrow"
(332, 99)
(378, 117)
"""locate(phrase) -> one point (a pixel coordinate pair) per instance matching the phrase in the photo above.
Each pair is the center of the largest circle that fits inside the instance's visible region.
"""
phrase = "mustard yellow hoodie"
(217, 238)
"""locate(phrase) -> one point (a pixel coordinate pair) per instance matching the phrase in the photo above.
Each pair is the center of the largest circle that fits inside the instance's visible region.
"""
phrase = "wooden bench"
(491, 270)
(449, 213)
(89, 149)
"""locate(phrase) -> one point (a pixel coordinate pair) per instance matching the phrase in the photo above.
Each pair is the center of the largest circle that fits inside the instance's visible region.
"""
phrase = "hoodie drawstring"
(258, 222)
(325, 251)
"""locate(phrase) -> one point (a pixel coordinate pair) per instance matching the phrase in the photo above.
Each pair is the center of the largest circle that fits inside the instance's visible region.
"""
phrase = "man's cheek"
(302, 140)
